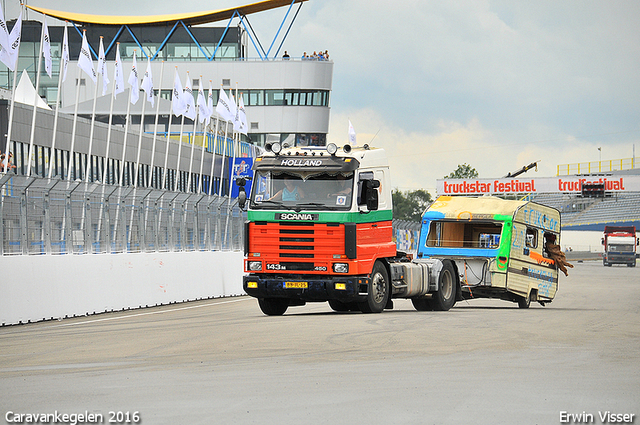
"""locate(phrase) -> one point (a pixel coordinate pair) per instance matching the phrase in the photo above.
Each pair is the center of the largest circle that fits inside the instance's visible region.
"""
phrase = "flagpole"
(175, 185)
(35, 104)
(5, 167)
(93, 121)
(233, 144)
(106, 155)
(75, 121)
(52, 157)
(124, 141)
(10, 125)
(204, 139)
(135, 179)
(193, 148)
(165, 177)
(213, 160)
(155, 128)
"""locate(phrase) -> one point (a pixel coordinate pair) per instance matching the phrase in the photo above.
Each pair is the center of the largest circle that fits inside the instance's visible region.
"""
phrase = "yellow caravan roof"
(465, 208)
(194, 18)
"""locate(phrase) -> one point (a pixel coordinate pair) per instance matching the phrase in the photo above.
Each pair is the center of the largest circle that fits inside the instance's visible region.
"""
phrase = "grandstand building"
(286, 99)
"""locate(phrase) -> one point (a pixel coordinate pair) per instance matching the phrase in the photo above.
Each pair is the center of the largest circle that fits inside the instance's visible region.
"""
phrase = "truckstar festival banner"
(564, 184)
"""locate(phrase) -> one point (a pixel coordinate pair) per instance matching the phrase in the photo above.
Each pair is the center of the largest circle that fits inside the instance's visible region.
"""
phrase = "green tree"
(464, 171)
(410, 205)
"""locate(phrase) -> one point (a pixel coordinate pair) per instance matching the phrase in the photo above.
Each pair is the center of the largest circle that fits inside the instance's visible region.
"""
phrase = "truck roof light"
(346, 148)
(276, 148)
(332, 148)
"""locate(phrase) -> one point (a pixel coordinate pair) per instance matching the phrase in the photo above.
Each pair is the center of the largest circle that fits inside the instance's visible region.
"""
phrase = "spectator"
(9, 162)
(291, 191)
(285, 56)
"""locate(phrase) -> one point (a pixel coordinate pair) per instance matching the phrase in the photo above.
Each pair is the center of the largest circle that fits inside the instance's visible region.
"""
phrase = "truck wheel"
(524, 302)
(422, 304)
(445, 297)
(378, 290)
(273, 306)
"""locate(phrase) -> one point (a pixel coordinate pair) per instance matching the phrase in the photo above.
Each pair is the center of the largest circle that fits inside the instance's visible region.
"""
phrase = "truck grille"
(297, 246)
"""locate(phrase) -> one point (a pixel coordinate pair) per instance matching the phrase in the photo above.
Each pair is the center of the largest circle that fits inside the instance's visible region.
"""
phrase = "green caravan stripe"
(328, 217)
(505, 241)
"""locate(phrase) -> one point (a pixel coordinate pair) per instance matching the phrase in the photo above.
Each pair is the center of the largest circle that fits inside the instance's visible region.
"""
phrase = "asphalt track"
(223, 362)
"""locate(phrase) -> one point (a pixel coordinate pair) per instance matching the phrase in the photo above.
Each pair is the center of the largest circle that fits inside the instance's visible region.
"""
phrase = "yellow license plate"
(296, 285)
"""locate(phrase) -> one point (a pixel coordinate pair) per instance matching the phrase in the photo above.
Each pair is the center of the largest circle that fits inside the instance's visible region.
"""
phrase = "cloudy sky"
(495, 84)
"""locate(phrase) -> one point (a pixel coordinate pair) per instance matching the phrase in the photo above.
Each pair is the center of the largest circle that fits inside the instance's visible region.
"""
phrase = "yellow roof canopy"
(194, 18)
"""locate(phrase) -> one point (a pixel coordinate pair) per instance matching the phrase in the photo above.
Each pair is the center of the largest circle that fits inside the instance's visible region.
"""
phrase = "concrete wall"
(44, 287)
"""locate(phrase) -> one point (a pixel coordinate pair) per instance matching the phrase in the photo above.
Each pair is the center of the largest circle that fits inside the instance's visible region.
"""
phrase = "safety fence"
(52, 216)
(406, 235)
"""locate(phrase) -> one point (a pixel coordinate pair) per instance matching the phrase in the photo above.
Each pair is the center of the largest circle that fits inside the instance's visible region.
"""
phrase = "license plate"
(296, 285)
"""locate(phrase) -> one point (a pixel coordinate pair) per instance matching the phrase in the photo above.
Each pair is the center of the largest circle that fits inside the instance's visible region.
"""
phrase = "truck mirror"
(242, 197)
(602, 241)
(372, 194)
(241, 182)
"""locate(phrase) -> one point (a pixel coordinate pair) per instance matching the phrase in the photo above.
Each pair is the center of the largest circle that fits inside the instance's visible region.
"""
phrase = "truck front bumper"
(307, 287)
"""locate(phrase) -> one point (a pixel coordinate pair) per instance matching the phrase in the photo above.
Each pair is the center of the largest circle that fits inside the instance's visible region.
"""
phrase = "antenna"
(374, 136)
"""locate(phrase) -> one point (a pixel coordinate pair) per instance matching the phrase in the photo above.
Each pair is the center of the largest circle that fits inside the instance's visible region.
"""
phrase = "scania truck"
(620, 244)
(320, 229)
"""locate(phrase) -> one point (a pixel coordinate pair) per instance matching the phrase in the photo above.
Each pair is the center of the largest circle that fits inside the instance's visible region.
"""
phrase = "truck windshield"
(620, 247)
(291, 190)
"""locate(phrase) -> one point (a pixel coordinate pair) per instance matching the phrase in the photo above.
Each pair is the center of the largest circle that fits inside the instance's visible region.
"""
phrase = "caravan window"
(457, 234)
(531, 237)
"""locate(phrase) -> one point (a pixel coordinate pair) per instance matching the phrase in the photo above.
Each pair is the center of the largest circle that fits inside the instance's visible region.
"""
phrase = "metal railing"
(51, 216)
(597, 166)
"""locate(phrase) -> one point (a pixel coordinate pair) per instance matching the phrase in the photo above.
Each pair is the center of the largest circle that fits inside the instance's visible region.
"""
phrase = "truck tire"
(422, 304)
(378, 294)
(445, 297)
(524, 302)
(273, 306)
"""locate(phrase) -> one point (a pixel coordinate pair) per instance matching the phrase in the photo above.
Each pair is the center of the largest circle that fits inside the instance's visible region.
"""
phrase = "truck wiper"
(314, 204)
(278, 203)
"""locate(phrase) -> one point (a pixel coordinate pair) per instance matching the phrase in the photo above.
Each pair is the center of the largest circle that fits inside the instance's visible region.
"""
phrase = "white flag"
(4, 32)
(237, 122)
(203, 110)
(133, 81)
(223, 109)
(210, 104)
(352, 135)
(118, 74)
(147, 83)
(244, 127)
(84, 60)
(233, 107)
(190, 111)
(46, 49)
(9, 56)
(102, 68)
(177, 99)
(65, 54)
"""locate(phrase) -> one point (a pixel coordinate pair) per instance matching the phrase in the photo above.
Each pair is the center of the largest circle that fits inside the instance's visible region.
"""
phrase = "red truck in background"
(620, 244)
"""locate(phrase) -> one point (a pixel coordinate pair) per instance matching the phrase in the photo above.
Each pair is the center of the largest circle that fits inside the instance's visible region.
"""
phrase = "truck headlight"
(340, 268)
(255, 266)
